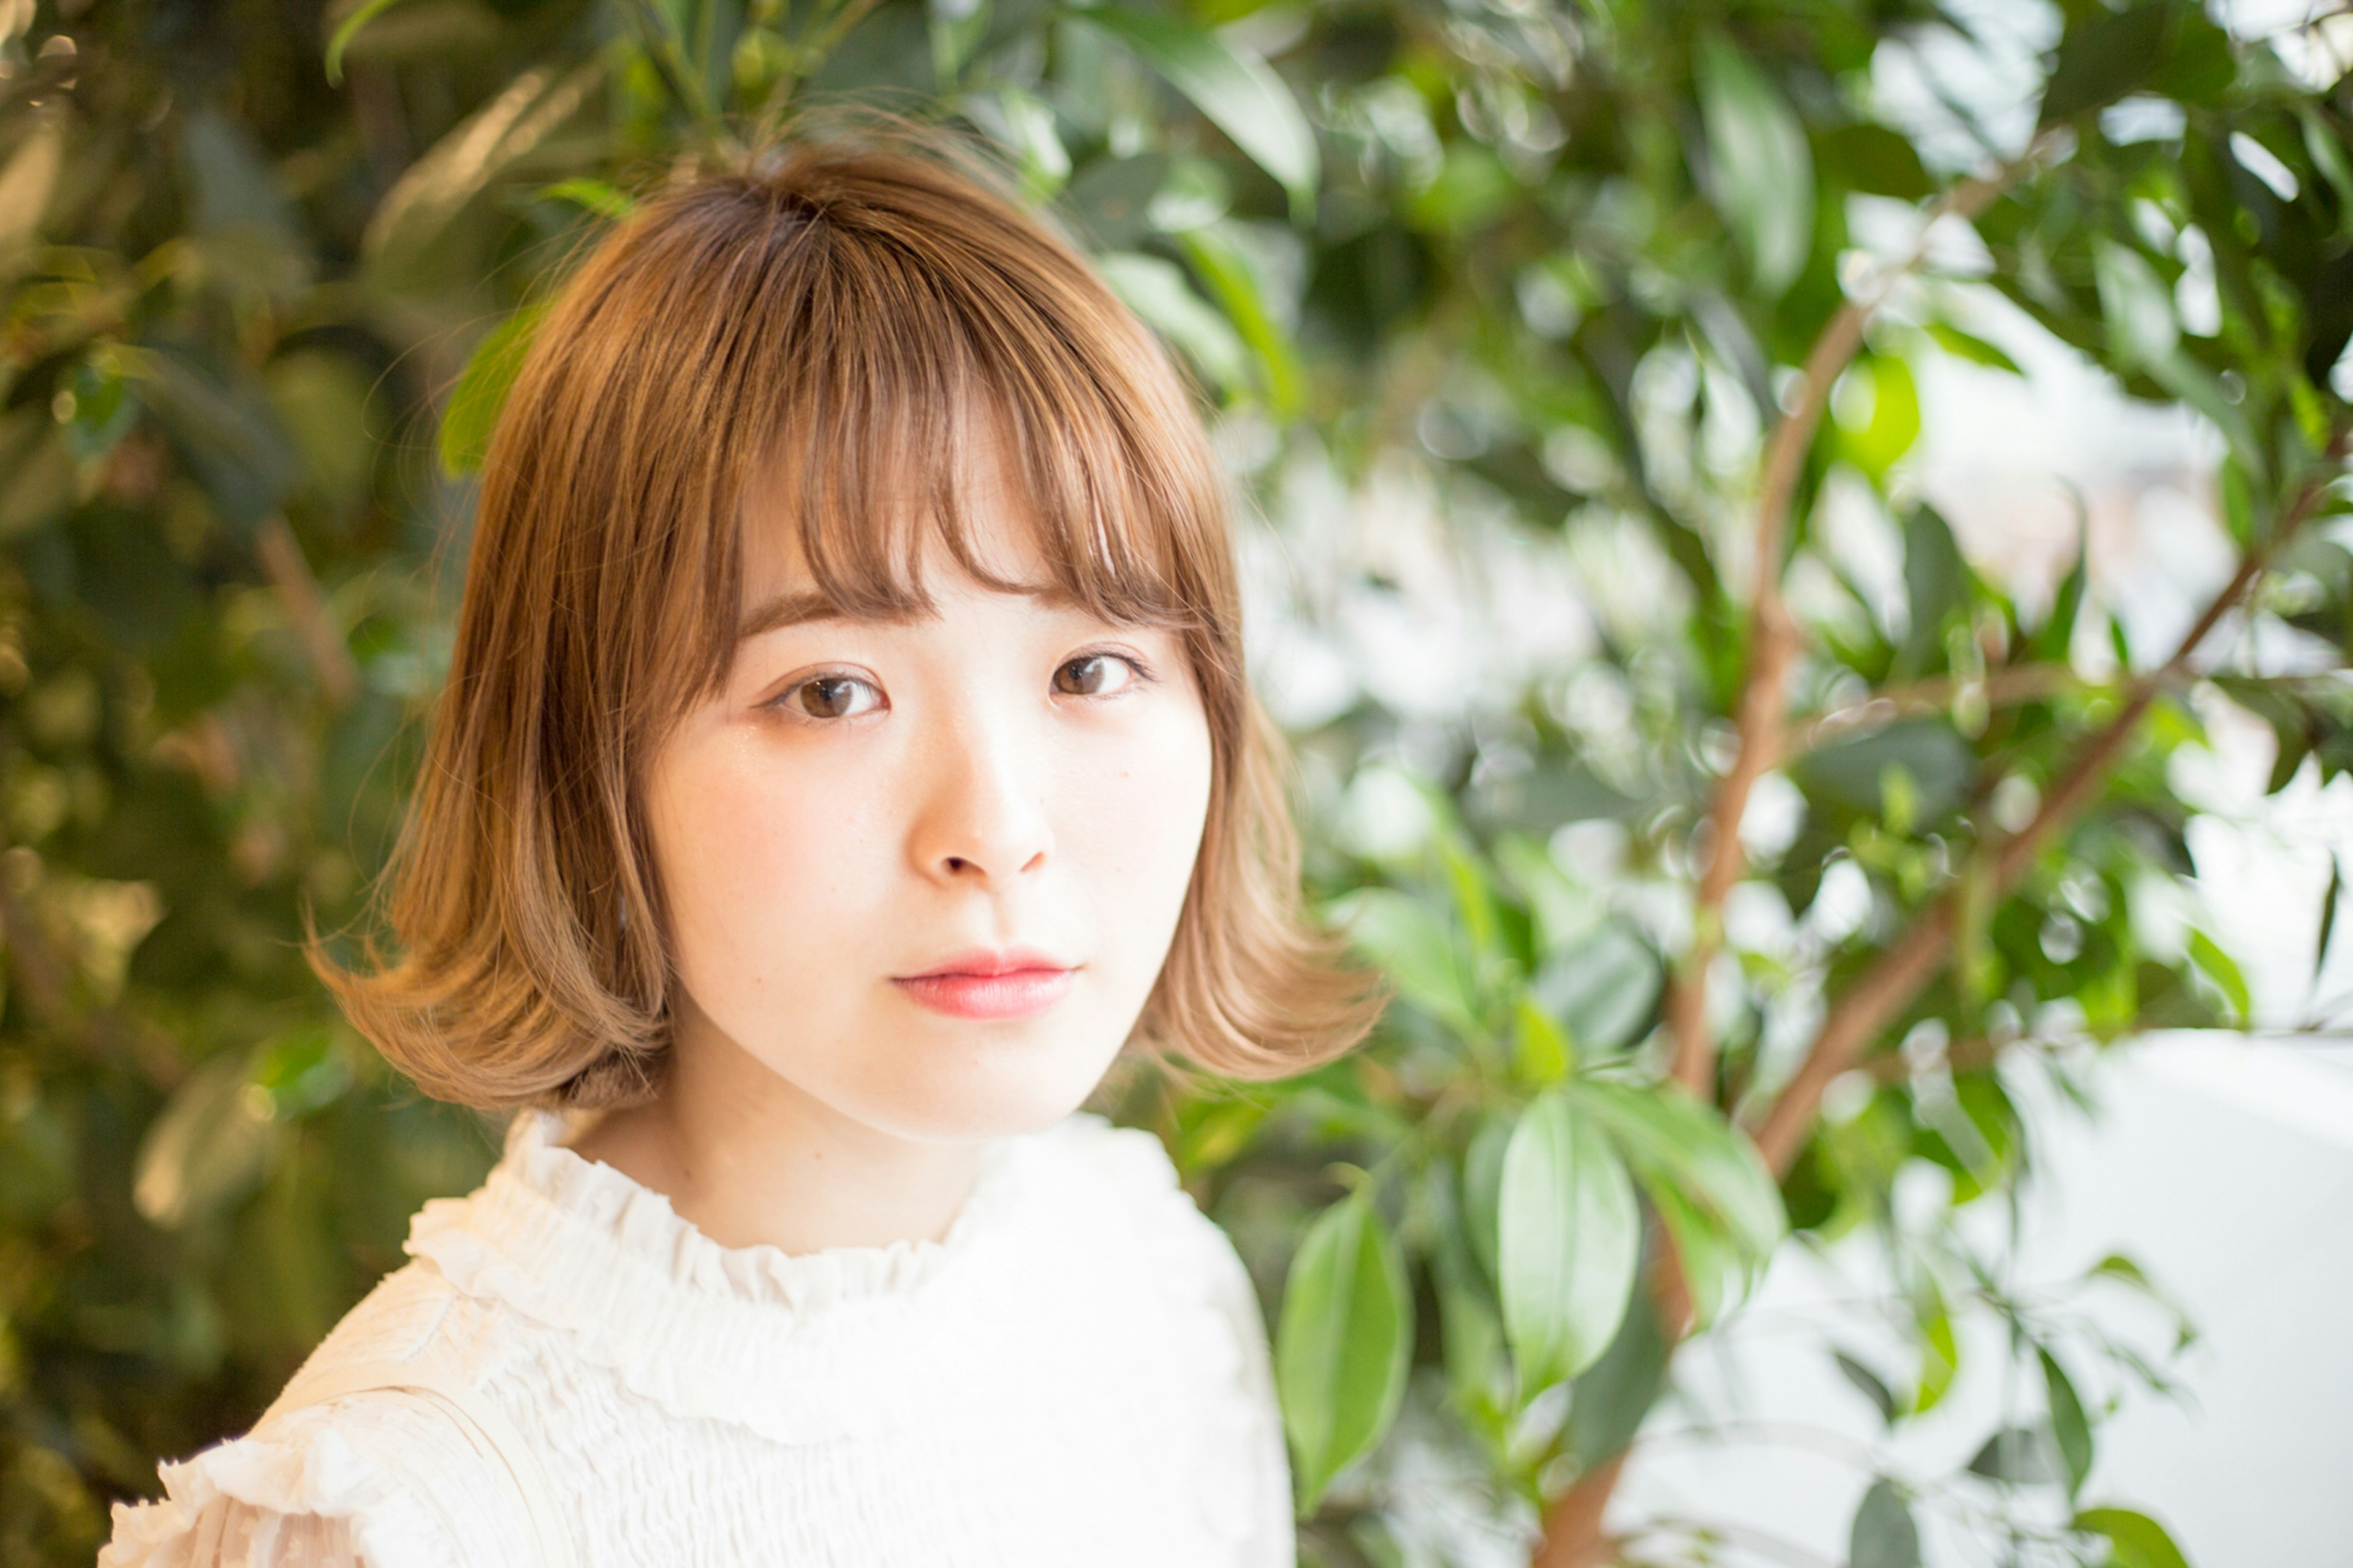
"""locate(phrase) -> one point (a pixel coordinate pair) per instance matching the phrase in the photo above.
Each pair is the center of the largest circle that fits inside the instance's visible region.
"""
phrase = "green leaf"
(1543, 1054)
(2136, 306)
(1235, 282)
(1884, 1535)
(1343, 1343)
(1673, 1138)
(1762, 175)
(2224, 971)
(1570, 1239)
(2056, 634)
(2330, 901)
(2104, 55)
(602, 198)
(366, 12)
(1970, 347)
(1940, 1358)
(1238, 93)
(212, 1145)
(1869, 1383)
(1609, 1400)
(1895, 423)
(1415, 944)
(1875, 160)
(488, 146)
(1603, 988)
(1717, 1273)
(2020, 1457)
(1156, 291)
(472, 414)
(1482, 1190)
(1936, 586)
(2070, 1429)
(2138, 1541)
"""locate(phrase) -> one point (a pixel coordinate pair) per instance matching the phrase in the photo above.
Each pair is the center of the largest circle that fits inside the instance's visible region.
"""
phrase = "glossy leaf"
(1869, 1384)
(472, 414)
(2020, 1457)
(1238, 93)
(1415, 944)
(1342, 1346)
(1940, 1358)
(2069, 1429)
(1157, 291)
(1570, 1238)
(361, 16)
(1671, 1137)
(1884, 1535)
(2106, 54)
(1762, 172)
(211, 1146)
(2137, 1540)
(2224, 971)
(1603, 988)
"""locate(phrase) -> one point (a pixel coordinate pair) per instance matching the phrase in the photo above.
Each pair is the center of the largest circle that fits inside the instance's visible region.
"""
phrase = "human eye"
(1100, 673)
(830, 695)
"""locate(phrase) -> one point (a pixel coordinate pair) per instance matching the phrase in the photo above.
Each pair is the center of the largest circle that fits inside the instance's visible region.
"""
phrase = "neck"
(749, 1159)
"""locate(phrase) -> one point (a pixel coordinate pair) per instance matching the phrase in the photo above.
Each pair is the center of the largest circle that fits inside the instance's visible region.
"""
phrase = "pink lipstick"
(1012, 983)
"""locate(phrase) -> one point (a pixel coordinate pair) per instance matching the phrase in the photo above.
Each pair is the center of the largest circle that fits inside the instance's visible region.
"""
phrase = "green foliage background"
(1594, 269)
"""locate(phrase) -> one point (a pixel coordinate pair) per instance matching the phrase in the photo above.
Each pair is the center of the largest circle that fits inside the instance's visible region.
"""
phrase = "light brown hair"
(828, 321)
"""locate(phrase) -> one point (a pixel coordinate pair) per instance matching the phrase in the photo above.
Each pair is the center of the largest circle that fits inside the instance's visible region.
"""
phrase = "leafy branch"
(1865, 1008)
(1774, 635)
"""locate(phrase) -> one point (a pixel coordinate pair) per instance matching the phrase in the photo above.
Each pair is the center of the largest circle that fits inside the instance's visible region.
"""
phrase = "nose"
(983, 818)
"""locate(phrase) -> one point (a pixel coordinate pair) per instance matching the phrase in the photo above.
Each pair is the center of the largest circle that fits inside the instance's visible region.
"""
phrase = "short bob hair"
(824, 321)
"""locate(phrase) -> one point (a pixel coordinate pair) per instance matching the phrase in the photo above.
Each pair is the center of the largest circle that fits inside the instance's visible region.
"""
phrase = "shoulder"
(367, 1457)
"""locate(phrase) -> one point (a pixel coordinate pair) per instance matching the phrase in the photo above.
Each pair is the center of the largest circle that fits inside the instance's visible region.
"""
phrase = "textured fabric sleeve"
(383, 1479)
(1273, 1541)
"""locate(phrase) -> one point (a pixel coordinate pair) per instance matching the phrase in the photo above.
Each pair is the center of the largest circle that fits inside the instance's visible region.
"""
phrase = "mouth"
(1014, 983)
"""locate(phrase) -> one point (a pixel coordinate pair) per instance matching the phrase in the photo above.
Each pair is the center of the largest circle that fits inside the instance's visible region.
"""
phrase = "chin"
(970, 1094)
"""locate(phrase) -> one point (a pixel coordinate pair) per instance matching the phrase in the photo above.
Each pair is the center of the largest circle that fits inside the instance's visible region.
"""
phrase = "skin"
(861, 801)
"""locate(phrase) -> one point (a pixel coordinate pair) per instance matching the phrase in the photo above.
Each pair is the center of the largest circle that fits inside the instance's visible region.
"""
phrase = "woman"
(846, 755)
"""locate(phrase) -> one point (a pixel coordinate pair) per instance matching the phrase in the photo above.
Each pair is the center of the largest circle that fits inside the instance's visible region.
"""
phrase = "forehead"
(985, 528)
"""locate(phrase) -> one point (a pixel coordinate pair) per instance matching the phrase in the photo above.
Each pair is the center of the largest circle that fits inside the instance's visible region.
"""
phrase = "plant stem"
(1888, 987)
(1773, 637)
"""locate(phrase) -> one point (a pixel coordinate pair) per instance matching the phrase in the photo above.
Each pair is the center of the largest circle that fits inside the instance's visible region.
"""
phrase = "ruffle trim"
(305, 1472)
(853, 1341)
(752, 1335)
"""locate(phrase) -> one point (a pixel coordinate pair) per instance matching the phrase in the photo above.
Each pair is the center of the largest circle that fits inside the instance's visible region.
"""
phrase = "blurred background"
(1802, 547)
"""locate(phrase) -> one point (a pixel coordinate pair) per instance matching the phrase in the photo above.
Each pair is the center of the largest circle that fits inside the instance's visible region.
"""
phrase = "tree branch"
(2001, 688)
(1773, 635)
(323, 643)
(1888, 987)
(1572, 1537)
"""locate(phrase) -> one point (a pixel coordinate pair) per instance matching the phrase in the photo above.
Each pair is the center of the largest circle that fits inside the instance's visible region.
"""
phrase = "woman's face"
(927, 871)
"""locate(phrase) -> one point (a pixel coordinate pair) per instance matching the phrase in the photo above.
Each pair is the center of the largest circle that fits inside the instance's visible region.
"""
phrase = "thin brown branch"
(1773, 636)
(323, 644)
(1999, 687)
(1573, 1537)
(1888, 987)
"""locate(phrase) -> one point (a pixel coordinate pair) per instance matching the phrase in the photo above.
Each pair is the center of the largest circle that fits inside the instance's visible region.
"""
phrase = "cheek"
(761, 866)
(1141, 832)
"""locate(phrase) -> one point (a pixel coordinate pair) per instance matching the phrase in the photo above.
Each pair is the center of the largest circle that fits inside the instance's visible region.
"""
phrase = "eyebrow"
(788, 610)
(796, 608)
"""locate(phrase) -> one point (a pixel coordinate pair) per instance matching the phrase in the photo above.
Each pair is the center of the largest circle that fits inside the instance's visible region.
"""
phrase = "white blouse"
(1076, 1374)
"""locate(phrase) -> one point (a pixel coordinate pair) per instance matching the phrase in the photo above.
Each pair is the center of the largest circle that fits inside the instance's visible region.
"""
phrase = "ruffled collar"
(801, 1347)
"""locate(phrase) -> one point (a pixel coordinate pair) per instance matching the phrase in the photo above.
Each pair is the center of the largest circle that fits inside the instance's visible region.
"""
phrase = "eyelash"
(782, 702)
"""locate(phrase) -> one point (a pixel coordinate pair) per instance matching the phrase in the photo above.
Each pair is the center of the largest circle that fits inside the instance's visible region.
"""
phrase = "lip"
(990, 983)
